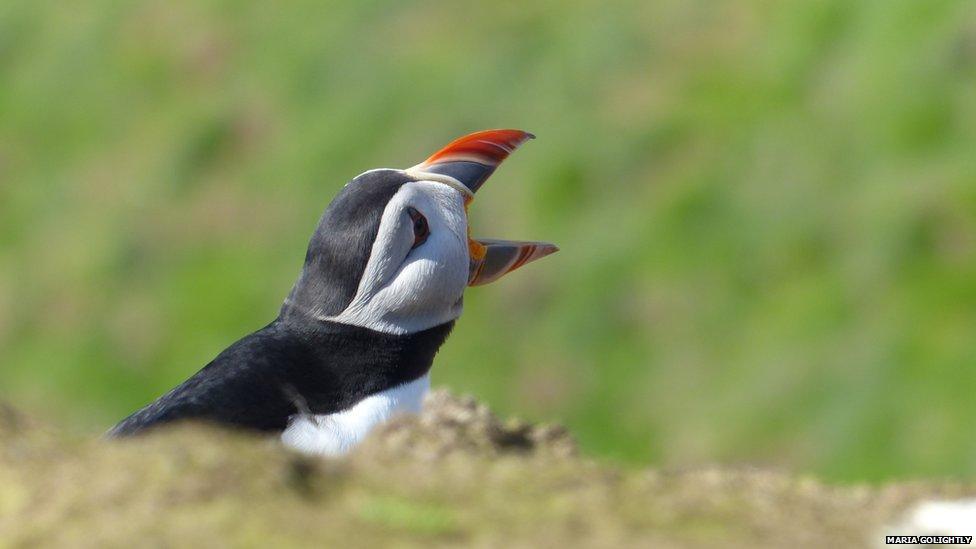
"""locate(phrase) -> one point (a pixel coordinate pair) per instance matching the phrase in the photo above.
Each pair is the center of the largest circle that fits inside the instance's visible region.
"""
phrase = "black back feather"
(288, 368)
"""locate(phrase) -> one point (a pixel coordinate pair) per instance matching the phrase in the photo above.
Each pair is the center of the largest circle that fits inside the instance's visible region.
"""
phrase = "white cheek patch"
(406, 291)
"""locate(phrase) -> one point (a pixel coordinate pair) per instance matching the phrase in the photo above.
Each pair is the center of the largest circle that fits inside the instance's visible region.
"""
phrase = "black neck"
(345, 363)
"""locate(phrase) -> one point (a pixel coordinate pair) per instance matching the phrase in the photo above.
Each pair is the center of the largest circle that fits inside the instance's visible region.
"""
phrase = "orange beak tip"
(541, 250)
(472, 158)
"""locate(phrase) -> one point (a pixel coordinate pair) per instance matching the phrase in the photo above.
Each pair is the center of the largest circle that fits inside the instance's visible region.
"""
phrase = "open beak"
(468, 162)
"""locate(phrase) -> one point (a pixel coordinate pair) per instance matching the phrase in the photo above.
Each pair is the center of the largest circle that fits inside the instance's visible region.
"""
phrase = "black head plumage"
(340, 247)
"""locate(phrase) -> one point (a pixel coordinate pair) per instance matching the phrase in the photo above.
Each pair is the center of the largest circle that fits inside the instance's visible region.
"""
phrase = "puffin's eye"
(420, 228)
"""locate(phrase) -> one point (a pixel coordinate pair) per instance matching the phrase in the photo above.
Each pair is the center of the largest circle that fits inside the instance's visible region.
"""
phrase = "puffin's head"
(392, 252)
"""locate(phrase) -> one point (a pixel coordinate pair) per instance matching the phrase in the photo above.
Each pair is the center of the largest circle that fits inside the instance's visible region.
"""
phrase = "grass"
(403, 514)
(440, 481)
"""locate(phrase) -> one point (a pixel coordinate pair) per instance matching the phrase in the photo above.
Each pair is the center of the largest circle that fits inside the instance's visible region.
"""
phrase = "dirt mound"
(455, 476)
(451, 424)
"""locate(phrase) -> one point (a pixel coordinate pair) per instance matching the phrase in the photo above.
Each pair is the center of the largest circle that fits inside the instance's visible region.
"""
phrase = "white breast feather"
(335, 434)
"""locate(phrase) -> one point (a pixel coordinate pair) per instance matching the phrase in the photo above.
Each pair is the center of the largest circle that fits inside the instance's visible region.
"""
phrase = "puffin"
(378, 294)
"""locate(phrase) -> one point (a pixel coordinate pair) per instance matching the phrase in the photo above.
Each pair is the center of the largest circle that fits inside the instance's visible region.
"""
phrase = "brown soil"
(455, 476)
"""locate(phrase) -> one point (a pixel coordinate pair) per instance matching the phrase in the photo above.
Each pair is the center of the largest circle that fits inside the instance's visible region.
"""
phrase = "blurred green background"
(767, 211)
